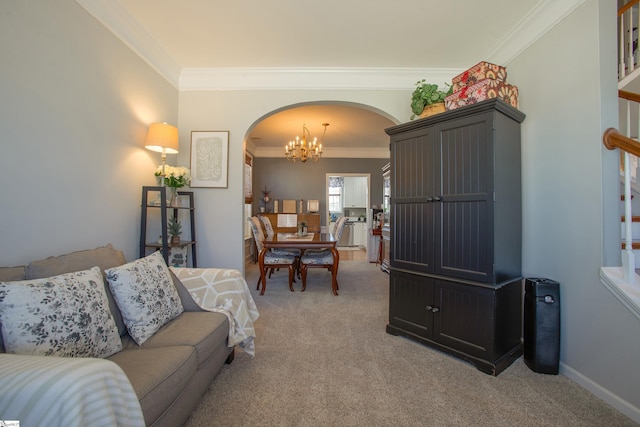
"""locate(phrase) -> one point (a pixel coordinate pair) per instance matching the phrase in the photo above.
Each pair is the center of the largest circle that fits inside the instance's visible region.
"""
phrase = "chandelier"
(304, 148)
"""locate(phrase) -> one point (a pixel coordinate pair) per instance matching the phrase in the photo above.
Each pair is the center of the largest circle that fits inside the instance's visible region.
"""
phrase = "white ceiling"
(405, 38)
(329, 33)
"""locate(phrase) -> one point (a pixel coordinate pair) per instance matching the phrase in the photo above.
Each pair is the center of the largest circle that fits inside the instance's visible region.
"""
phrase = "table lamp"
(162, 138)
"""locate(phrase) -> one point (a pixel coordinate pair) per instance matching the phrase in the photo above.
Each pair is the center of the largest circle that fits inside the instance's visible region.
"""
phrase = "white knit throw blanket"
(224, 291)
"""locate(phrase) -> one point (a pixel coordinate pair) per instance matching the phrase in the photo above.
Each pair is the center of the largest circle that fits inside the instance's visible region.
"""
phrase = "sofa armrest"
(187, 301)
(66, 391)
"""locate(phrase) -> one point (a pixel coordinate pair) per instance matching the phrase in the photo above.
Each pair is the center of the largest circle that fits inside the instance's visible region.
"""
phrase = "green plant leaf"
(426, 94)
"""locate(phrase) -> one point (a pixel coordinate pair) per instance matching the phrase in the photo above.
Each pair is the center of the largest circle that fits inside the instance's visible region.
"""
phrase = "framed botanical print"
(209, 159)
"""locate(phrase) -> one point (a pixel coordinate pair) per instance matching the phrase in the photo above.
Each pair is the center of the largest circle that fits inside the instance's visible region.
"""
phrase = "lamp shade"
(163, 138)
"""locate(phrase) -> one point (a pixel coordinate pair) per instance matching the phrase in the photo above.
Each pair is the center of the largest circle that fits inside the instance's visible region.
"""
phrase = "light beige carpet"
(323, 360)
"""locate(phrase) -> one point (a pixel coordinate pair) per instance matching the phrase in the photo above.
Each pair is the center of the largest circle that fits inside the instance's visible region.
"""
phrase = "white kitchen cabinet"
(360, 234)
(355, 192)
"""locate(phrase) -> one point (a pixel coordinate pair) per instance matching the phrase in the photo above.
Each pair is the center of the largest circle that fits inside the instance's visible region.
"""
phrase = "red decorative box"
(483, 90)
(480, 71)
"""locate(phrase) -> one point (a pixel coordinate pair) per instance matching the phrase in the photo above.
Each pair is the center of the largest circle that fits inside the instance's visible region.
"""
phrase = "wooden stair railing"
(613, 139)
(630, 96)
(627, 6)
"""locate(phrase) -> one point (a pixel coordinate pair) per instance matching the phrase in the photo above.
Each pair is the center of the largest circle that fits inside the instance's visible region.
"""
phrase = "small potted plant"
(175, 229)
(174, 177)
(426, 95)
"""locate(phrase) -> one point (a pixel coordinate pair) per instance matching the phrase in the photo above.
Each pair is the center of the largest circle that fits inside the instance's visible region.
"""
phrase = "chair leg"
(290, 268)
(331, 271)
(264, 282)
(303, 271)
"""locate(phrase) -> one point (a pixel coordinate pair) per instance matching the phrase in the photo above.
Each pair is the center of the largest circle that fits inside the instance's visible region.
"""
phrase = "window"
(335, 199)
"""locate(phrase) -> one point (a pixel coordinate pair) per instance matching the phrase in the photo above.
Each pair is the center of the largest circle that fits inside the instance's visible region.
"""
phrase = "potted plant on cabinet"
(427, 99)
(175, 230)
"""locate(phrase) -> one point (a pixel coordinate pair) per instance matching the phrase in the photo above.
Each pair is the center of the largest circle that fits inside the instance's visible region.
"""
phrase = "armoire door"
(465, 317)
(413, 180)
(409, 297)
(464, 214)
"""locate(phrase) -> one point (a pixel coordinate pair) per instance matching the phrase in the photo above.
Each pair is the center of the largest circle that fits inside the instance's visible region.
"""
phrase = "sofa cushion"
(145, 295)
(12, 273)
(158, 375)
(206, 331)
(103, 257)
(64, 315)
(185, 296)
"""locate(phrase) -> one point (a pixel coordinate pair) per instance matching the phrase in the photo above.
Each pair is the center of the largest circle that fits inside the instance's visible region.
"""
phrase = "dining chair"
(336, 232)
(268, 228)
(321, 258)
(271, 260)
(339, 228)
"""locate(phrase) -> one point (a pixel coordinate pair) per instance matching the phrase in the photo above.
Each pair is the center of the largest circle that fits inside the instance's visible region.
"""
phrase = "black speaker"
(542, 325)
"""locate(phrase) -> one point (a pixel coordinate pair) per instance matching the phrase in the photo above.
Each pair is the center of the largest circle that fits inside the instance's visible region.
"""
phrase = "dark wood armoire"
(456, 233)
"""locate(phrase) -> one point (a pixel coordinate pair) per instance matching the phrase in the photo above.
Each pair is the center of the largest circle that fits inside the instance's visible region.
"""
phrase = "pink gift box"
(477, 73)
(483, 90)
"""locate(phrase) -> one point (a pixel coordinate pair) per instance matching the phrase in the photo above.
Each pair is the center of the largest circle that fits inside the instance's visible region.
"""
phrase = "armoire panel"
(410, 294)
(410, 178)
(413, 224)
(466, 243)
(465, 158)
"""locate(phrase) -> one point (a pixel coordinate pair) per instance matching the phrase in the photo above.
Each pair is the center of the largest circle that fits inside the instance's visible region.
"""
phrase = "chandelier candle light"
(304, 148)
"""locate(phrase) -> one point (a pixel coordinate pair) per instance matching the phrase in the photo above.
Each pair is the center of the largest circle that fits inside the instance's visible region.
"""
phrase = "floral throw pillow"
(145, 295)
(64, 315)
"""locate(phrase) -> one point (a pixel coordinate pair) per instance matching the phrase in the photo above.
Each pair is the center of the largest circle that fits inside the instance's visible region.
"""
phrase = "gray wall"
(220, 222)
(75, 105)
(571, 224)
(288, 180)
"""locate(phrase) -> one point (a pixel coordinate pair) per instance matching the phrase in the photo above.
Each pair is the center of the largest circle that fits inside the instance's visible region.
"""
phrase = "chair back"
(342, 221)
(267, 226)
(334, 228)
(256, 228)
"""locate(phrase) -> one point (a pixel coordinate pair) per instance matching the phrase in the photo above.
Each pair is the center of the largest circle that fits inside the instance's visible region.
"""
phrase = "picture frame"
(209, 159)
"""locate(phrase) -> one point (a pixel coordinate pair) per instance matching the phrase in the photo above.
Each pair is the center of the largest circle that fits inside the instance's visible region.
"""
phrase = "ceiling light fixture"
(304, 148)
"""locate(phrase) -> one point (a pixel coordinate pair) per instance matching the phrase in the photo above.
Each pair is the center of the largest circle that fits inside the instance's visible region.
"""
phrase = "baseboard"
(617, 402)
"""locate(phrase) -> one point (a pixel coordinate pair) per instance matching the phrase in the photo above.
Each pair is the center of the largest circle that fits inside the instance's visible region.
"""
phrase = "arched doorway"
(355, 143)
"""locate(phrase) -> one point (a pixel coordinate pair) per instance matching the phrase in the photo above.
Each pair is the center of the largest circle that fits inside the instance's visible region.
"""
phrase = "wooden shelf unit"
(163, 206)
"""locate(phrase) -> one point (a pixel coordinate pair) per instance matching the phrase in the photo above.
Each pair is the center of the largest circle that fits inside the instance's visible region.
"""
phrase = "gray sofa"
(171, 370)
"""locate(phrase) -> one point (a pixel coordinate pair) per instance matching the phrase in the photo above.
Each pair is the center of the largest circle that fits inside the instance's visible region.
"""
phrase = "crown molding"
(542, 18)
(115, 18)
(192, 79)
(333, 153)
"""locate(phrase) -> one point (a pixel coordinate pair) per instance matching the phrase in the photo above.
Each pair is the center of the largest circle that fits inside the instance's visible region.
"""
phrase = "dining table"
(302, 242)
